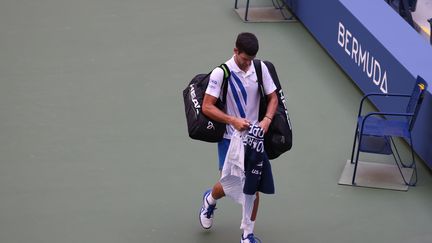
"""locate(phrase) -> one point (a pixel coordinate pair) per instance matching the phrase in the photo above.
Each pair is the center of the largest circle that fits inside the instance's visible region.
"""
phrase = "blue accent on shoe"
(206, 211)
(251, 238)
(211, 208)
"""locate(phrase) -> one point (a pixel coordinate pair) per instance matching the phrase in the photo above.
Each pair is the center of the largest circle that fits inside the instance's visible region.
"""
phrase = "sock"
(248, 229)
(247, 225)
(211, 200)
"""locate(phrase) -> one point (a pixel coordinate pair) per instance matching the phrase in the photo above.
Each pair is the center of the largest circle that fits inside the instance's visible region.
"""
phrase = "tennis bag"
(199, 126)
(278, 138)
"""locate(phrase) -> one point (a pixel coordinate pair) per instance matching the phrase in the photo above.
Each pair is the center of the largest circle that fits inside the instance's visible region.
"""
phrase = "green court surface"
(93, 139)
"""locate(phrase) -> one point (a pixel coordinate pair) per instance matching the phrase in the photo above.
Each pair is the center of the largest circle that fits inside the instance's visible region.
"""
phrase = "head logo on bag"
(282, 98)
(210, 126)
(194, 99)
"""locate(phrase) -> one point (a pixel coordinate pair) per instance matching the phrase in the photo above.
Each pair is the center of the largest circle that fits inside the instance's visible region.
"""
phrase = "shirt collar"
(236, 69)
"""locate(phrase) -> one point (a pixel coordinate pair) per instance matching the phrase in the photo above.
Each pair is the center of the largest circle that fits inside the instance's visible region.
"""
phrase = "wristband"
(268, 118)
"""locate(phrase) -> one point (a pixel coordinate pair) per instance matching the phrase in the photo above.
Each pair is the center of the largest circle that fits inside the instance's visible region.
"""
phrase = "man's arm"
(272, 103)
(213, 112)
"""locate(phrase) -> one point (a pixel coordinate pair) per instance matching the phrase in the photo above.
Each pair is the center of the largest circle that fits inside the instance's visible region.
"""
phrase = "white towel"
(233, 178)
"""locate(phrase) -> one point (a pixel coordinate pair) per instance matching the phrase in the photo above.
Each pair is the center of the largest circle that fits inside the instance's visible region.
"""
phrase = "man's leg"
(217, 191)
(211, 196)
(249, 215)
(255, 207)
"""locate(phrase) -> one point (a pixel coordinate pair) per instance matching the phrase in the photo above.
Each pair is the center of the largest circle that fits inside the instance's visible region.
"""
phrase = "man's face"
(243, 60)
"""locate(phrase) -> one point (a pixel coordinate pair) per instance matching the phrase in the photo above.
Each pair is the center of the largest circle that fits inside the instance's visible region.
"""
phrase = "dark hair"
(248, 43)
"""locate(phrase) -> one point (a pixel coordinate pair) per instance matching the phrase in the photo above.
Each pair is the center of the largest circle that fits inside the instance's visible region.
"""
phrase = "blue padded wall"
(377, 49)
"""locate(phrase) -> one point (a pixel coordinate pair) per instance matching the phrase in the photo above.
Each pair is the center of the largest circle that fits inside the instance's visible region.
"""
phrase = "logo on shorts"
(210, 125)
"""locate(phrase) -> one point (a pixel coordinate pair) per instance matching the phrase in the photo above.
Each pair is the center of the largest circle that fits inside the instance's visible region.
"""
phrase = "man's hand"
(265, 124)
(240, 124)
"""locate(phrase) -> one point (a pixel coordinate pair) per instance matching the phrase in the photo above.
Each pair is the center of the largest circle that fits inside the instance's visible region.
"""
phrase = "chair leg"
(414, 176)
(397, 153)
(356, 161)
(247, 10)
(235, 4)
(412, 153)
(354, 144)
(278, 5)
(412, 165)
(407, 182)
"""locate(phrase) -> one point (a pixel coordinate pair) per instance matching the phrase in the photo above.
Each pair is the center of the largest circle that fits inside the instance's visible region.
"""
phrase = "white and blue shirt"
(243, 96)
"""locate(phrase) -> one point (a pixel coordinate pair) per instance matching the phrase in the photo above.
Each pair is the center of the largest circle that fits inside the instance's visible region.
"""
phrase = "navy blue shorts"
(259, 176)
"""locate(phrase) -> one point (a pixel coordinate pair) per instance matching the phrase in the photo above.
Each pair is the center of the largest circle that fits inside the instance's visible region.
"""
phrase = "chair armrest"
(381, 95)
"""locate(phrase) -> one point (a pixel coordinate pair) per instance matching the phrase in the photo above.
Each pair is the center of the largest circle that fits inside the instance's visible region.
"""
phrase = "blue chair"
(375, 131)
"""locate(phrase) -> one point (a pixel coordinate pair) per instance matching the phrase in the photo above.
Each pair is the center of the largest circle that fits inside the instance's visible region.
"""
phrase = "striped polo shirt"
(243, 92)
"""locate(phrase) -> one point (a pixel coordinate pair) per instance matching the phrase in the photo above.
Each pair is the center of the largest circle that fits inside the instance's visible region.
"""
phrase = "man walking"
(240, 112)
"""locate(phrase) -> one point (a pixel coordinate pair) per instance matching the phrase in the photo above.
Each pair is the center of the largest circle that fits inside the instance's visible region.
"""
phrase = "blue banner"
(378, 50)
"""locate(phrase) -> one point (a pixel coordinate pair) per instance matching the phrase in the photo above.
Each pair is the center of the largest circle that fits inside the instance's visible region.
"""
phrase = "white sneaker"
(206, 212)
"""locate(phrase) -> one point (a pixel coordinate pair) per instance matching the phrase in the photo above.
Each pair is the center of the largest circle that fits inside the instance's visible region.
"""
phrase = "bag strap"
(263, 101)
(227, 74)
(258, 70)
